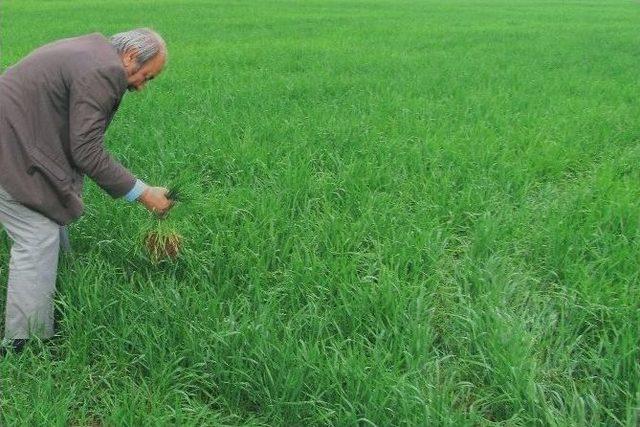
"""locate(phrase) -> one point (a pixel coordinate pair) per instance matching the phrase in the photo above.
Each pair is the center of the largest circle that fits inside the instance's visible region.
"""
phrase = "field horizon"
(397, 213)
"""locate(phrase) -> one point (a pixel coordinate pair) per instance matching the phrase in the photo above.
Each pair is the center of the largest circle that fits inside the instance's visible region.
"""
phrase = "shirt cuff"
(136, 191)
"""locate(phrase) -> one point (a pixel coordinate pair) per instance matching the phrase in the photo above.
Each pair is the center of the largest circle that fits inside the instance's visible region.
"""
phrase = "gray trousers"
(33, 267)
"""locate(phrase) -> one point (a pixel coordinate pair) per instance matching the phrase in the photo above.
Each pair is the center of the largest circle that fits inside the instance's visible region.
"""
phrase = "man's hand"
(155, 199)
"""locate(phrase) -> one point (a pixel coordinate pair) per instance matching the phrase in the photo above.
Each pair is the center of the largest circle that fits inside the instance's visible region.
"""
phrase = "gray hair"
(145, 41)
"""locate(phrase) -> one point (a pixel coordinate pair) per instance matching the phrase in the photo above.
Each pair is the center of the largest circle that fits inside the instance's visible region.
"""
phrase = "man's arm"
(90, 102)
(92, 98)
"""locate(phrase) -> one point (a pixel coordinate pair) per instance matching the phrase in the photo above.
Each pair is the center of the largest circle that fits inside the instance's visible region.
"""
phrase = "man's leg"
(32, 270)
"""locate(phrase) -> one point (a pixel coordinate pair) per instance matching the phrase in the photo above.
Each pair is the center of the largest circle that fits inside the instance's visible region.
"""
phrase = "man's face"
(137, 76)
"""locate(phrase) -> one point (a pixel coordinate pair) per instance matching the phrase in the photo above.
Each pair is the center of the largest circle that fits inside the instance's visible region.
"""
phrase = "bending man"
(55, 106)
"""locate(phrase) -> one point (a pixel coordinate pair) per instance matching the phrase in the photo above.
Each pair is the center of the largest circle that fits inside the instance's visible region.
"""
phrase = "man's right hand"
(155, 199)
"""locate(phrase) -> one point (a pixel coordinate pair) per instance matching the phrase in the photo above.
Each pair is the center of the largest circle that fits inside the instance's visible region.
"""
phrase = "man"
(55, 106)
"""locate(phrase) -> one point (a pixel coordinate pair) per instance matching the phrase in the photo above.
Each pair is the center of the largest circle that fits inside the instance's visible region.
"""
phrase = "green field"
(400, 213)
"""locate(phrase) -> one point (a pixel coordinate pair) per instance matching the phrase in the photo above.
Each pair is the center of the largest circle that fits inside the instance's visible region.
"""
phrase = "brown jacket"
(55, 106)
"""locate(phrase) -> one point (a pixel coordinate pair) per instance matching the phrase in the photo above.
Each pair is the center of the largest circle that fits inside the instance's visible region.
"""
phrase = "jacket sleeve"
(92, 99)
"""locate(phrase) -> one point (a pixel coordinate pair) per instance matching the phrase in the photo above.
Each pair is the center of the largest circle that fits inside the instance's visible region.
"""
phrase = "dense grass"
(402, 213)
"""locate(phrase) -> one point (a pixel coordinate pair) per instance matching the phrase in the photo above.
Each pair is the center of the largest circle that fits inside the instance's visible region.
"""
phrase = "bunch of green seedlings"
(162, 241)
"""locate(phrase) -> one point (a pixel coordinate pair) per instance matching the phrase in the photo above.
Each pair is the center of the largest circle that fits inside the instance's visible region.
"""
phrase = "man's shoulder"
(93, 51)
(79, 45)
(93, 57)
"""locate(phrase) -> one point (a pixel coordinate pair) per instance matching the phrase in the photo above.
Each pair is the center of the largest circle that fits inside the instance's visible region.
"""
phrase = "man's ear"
(129, 59)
